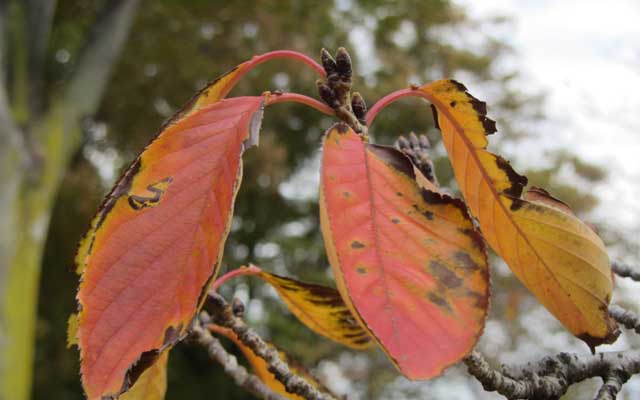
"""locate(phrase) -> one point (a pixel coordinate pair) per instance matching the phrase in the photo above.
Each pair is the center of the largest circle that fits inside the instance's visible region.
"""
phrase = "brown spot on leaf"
(361, 270)
(459, 85)
(516, 204)
(172, 335)
(518, 182)
(439, 301)
(465, 261)
(488, 124)
(346, 194)
(539, 195)
(480, 301)
(476, 237)
(120, 189)
(395, 220)
(479, 106)
(446, 276)
(432, 197)
(157, 189)
(435, 116)
(394, 158)
(146, 360)
(342, 128)
(205, 288)
(357, 245)
(364, 340)
(453, 104)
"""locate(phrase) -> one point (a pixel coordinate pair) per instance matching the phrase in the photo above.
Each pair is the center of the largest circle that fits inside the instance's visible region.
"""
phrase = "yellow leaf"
(321, 309)
(560, 259)
(72, 330)
(152, 384)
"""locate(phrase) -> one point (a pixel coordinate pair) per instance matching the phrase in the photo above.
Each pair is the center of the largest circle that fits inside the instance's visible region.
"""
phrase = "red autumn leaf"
(157, 241)
(407, 261)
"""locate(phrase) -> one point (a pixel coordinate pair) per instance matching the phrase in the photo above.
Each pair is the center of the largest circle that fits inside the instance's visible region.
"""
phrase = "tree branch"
(237, 372)
(625, 271)
(625, 318)
(98, 57)
(223, 315)
(550, 377)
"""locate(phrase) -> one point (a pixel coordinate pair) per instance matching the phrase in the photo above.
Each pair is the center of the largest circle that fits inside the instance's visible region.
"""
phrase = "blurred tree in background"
(172, 49)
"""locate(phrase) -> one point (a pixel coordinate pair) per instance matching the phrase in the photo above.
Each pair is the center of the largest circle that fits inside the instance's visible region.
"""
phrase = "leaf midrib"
(472, 149)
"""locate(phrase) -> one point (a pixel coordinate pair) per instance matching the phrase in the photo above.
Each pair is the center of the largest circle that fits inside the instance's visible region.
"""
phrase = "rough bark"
(223, 315)
(237, 372)
(550, 377)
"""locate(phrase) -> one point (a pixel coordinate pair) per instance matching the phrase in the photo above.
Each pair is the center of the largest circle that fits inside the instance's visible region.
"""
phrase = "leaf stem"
(275, 98)
(242, 69)
(257, 60)
(243, 270)
(390, 98)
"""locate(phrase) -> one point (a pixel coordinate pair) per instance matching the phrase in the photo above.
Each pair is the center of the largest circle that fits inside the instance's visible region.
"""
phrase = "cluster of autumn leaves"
(410, 261)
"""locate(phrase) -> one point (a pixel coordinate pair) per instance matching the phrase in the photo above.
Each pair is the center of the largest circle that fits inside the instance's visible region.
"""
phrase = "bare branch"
(39, 19)
(612, 385)
(625, 271)
(98, 57)
(625, 318)
(223, 315)
(237, 372)
(550, 377)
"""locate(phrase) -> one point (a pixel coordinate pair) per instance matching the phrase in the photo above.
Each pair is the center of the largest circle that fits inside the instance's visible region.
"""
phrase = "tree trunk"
(29, 209)
(35, 149)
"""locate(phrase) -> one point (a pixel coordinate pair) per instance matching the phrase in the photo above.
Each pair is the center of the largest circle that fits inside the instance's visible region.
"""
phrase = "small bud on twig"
(327, 94)
(359, 107)
(237, 307)
(343, 64)
(328, 63)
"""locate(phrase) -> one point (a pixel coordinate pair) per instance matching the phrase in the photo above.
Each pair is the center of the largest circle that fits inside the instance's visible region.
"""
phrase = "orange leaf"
(321, 309)
(261, 368)
(152, 384)
(407, 260)
(157, 241)
(557, 256)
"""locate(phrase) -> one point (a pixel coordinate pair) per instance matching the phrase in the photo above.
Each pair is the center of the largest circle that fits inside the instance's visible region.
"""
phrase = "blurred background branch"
(626, 271)
(40, 132)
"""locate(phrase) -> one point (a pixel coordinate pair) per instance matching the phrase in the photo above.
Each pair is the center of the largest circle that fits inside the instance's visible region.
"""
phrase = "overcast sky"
(585, 54)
